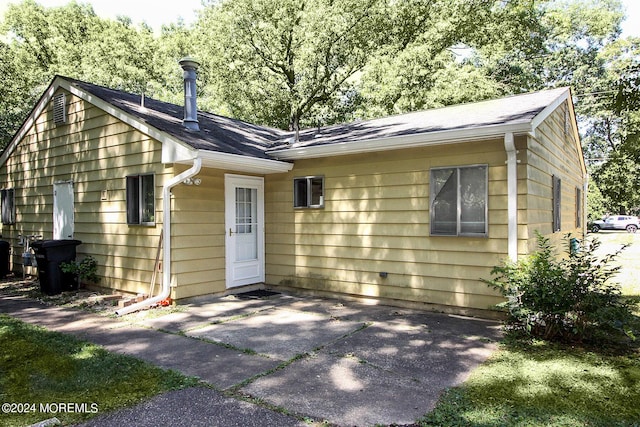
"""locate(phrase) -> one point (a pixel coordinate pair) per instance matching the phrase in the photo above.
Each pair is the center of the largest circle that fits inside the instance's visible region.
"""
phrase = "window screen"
(7, 203)
(557, 203)
(578, 207)
(308, 192)
(140, 199)
(459, 201)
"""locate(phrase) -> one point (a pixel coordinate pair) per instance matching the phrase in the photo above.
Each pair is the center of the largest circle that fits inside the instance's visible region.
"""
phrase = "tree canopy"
(293, 64)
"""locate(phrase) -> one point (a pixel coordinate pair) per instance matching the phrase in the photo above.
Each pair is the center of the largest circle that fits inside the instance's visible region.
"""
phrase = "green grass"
(629, 260)
(537, 383)
(40, 367)
(544, 384)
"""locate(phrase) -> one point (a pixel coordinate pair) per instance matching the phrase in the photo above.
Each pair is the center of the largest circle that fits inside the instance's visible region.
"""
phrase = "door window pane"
(246, 224)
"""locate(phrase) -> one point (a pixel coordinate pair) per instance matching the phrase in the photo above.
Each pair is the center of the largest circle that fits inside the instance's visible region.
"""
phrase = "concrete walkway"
(344, 363)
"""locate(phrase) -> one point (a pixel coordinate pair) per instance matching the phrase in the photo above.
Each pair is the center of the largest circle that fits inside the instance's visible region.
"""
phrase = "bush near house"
(570, 298)
(83, 271)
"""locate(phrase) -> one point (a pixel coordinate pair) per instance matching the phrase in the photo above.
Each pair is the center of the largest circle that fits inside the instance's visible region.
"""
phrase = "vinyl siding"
(198, 229)
(96, 152)
(376, 219)
(553, 152)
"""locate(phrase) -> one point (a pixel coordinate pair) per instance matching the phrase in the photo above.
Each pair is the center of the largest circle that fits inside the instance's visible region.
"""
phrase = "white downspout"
(166, 230)
(512, 196)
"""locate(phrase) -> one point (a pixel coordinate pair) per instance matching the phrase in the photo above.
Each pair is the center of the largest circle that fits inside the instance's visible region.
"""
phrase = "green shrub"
(570, 299)
(84, 271)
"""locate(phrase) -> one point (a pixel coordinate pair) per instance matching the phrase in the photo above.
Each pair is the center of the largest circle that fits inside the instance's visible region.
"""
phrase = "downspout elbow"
(166, 229)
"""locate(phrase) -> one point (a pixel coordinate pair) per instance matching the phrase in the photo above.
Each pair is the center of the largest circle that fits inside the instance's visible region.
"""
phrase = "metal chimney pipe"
(190, 67)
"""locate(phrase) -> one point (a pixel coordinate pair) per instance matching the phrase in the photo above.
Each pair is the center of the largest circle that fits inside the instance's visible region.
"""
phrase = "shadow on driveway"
(326, 360)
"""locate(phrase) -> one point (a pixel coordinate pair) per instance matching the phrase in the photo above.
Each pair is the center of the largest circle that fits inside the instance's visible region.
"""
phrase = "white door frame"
(240, 273)
(63, 210)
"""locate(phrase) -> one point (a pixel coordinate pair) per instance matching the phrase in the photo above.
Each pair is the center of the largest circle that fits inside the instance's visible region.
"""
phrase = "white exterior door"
(244, 218)
(63, 221)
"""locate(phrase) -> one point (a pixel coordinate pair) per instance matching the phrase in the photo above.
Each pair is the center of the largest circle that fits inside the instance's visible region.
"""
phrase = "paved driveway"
(326, 360)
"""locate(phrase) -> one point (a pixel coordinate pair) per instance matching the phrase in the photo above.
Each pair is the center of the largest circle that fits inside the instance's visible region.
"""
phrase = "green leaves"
(73, 41)
(571, 298)
(277, 62)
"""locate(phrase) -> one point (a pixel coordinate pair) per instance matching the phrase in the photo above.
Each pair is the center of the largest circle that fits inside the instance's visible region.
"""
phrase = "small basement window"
(8, 206)
(59, 109)
(140, 200)
(308, 192)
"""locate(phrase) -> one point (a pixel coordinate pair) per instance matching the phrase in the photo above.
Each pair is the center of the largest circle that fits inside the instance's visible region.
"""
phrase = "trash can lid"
(54, 243)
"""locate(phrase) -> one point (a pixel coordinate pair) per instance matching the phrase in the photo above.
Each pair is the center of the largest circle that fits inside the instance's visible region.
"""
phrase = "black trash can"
(5, 258)
(50, 254)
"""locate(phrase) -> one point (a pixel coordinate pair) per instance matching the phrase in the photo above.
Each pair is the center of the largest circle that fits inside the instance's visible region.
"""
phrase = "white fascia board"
(30, 121)
(173, 150)
(238, 163)
(403, 141)
(542, 116)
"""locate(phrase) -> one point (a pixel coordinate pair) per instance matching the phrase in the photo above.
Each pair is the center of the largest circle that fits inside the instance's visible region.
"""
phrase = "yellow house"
(412, 209)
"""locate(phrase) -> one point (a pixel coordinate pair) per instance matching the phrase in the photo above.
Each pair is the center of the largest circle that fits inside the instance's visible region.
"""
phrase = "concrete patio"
(326, 360)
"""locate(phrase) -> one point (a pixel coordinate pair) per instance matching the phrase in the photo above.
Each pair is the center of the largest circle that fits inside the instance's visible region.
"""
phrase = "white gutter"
(166, 230)
(239, 163)
(425, 139)
(512, 196)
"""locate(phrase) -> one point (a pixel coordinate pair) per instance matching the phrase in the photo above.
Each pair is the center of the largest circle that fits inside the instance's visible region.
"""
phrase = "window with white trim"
(557, 204)
(459, 201)
(578, 207)
(140, 200)
(308, 192)
(8, 206)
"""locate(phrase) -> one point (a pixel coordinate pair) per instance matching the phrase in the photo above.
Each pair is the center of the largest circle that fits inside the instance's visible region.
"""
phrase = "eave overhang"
(173, 150)
(424, 139)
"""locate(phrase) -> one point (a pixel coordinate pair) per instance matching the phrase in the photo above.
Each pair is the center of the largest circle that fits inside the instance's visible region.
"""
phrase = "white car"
(617, 222)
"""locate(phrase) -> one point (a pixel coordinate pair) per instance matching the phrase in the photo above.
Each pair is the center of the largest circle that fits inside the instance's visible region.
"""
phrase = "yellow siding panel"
(97, 152)
(376, 219)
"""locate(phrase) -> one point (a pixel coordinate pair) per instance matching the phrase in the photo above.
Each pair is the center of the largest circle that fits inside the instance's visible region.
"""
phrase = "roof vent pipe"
(190, 67)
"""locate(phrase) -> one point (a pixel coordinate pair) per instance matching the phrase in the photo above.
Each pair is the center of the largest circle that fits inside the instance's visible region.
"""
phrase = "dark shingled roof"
(516, 109)
(217, 133)
(222, 134)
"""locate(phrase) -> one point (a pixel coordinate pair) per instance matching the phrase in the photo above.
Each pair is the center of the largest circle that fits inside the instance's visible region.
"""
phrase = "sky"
(153, 12)
(158, 12)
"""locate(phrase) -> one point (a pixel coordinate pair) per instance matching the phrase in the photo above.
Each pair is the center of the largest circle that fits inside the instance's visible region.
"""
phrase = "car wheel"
(595, 228)
(632, 228)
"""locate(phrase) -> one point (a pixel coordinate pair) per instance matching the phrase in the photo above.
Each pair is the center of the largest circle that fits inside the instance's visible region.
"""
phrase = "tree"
(290, 64)
(424, 70)
(615, 127)
(619, 180)
(274, 62)
(576, 43)
(70, 41)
